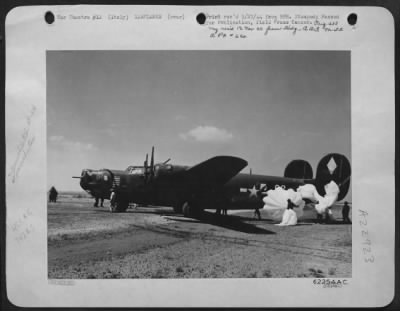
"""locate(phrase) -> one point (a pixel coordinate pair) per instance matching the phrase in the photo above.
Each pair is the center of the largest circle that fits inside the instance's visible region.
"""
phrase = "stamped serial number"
(330, 283)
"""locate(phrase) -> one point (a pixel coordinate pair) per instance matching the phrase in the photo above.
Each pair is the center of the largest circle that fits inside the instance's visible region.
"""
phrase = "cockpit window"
(135, 170)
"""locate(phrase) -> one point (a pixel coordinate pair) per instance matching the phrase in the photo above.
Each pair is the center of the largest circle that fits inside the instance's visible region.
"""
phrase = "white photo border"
(371, 43)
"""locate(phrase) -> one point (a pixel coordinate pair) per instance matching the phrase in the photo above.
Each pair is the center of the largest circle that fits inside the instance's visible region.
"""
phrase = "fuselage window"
(136, 171)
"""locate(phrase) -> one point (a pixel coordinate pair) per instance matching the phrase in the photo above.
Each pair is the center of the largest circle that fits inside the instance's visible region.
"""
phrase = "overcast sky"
(105, 109)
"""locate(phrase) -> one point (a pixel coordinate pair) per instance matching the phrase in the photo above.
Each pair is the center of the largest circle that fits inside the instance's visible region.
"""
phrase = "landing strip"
(147, 242)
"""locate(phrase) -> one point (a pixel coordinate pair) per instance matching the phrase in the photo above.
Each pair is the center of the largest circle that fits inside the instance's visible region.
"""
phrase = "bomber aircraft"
(213, 184)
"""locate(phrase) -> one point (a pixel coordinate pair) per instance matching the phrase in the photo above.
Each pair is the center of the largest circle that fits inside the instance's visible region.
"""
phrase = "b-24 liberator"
(213, 184)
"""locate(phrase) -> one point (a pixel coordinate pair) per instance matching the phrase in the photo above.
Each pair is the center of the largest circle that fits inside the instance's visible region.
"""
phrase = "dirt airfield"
(147, 242)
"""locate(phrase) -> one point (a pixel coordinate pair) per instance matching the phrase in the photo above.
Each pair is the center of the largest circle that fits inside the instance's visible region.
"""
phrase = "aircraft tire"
(187, 209)
(190, 210)
(178, 209)
(122, 206)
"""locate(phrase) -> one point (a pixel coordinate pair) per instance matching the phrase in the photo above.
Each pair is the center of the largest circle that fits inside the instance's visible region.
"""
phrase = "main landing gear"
(191, 210)
(178, 209)
(118, 205)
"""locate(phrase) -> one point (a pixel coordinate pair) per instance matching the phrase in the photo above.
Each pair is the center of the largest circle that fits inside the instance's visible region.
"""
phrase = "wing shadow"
(231, 222)
(228, 222)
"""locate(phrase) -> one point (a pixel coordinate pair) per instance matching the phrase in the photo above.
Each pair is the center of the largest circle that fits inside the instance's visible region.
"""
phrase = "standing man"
(290, 204)
(328, 215)
(345, 213)
(112, 200)
(53, 195)
(319, 215)
(96, 201)
(289, 217)
(257, 212)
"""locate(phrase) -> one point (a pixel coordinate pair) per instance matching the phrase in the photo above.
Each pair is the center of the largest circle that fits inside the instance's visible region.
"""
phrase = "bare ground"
(87, 242)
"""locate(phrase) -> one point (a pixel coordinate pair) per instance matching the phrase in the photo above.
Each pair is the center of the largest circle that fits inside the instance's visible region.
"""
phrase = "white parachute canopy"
(276, 199)
(289, 218)
(332, 193)
(276, 202)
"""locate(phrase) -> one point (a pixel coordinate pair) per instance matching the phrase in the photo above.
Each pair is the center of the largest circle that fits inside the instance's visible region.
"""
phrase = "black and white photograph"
(198, 164)
(199, 156)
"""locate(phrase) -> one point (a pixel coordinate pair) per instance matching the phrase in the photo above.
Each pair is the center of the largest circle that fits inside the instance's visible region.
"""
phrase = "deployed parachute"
(276, 199)
(331, 183)
(310, 192)
(276, 202)
(289, 218)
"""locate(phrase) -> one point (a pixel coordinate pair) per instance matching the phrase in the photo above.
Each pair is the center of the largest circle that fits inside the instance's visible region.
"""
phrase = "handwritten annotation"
(23, 148)
(365, 237)
(242, 25)
(22, 227)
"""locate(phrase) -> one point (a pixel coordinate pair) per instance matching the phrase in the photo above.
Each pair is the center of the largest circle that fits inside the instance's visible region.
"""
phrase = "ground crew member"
(96, 201)
(319, 216)
(53, 195)
(112, 200)
(257, 213)
(290, 204)
(328, 215)
(345, 213)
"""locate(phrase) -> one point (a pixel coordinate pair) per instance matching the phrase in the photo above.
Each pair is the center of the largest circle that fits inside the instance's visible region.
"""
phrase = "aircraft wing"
(215, 171)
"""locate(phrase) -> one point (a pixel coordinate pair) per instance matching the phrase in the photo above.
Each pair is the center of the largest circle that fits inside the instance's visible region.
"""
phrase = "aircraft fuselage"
(212, 184)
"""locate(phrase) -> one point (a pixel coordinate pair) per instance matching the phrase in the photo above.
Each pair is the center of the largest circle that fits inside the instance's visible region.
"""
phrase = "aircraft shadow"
(227, 222)
(133, 211)
(231, 222)
(156, 212)
(332, 222)
(262, 220)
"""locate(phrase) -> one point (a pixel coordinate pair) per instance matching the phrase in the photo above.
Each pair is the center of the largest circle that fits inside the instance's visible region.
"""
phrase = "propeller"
(146, 165)
(149, 170)
(152, 163)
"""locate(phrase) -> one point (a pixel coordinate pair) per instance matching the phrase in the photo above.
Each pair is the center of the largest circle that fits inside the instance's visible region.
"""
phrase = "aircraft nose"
(91, 179)
(85, 179)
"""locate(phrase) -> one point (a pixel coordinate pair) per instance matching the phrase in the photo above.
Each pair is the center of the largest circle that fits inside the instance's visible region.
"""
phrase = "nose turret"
(87, 178)
(95, 181)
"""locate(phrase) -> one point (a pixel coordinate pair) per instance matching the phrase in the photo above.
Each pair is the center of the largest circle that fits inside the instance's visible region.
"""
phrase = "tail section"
(333, 167)
(298, 169)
